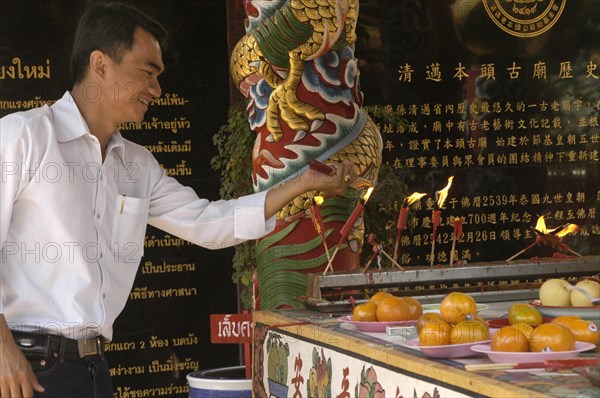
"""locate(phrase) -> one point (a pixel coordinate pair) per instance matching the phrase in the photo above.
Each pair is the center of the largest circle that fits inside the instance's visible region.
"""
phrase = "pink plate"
(445, 351)
(524, 357)
(374, 327)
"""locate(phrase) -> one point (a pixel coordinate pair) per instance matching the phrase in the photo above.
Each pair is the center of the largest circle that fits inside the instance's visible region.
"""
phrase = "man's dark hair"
(109, 27)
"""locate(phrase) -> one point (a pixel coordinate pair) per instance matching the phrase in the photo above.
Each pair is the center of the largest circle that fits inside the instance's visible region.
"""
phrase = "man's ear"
(99, 63)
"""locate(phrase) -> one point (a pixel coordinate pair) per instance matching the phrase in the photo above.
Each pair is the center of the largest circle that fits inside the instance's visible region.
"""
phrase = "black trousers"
(72, 377)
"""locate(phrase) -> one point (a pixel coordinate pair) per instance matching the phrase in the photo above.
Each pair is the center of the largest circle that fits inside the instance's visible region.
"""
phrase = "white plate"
(446, 351)
(524, 357)
(436, 308)
(589, 313)
(374, 327)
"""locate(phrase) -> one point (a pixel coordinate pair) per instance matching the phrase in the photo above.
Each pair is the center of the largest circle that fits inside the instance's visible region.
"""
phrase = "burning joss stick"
(380, 250)
(456, 234)
(358, 183)
(360, 206)
(537, 242)
(403, 218)
(375, 248)
(435, 221)
(318, 223)
(553, 237)
(321, 167)
(570, 228)
(437, 214)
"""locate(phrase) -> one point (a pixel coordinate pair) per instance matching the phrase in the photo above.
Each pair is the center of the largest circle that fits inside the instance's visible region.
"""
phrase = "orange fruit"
(415, 309)
(509, 339)
(524, 313)
(469, 332)
(565, 320)
(524, 328)
(365, 312)
(435, 333)
(479, 319)
(551, 337)
(426, 318)
(457, 306)
(392, 309)
(379, 296)
(584, 331)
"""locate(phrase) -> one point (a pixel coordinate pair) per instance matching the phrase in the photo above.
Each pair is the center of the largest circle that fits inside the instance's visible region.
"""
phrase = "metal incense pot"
(486, 281)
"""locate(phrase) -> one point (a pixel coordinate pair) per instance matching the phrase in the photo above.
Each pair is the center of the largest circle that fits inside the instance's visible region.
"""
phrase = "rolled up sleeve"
(178, 210)
(249, 219)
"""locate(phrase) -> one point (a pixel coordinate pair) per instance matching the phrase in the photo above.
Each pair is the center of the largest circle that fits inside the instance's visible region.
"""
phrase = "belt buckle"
(88, 347)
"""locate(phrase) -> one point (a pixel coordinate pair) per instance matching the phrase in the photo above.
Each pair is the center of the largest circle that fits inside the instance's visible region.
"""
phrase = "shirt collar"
(117, 144)
(69, 122)
(71, 125)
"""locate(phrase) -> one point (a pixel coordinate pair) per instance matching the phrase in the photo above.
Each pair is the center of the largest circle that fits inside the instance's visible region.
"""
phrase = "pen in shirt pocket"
(123, 203)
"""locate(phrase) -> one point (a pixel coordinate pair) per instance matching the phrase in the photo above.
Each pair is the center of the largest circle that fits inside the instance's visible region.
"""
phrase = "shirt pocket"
(129, 228)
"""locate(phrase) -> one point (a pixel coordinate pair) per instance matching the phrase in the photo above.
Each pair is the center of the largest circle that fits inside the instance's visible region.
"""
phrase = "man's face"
(133, 82)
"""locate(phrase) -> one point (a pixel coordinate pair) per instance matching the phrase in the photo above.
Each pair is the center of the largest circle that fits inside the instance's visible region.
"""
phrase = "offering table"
(306, 353)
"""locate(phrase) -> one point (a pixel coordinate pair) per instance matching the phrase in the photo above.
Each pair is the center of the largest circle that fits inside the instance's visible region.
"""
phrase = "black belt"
(58, 346)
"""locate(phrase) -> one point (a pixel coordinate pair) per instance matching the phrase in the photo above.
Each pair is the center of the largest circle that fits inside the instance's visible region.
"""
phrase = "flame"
(368, 194)
(541, 225)
(318, 200)
(414, 197)
(564, 230)
(443, 193)
(570, 228)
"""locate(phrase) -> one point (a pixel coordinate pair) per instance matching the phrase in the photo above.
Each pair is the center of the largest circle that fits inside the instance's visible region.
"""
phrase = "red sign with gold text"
(231, 328)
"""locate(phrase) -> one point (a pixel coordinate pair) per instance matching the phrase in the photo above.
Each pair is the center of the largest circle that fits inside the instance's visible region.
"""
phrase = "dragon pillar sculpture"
(297, 69)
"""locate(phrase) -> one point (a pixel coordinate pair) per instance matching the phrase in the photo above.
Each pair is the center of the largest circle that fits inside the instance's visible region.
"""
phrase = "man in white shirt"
(75, 201)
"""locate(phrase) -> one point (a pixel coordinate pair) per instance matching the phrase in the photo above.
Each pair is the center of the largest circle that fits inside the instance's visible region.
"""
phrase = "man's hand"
(311, 180)
(336, 182)
(17, 379)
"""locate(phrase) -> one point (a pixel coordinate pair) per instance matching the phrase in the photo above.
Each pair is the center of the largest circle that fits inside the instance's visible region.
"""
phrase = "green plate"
(589, 313)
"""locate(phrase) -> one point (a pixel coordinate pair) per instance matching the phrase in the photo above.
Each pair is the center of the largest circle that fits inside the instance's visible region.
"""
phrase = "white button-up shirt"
(72, 226)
